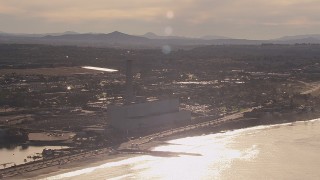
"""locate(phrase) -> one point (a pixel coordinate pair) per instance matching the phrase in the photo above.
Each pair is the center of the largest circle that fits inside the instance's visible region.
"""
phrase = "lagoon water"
(286, 151)
(16, 155)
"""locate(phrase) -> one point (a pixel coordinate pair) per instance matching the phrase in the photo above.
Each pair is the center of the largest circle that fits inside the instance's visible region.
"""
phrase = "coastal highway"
(41, 164)
(132, 144)
(135, 143)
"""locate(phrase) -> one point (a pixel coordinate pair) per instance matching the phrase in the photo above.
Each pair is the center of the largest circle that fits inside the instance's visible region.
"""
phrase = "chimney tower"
(129, 97)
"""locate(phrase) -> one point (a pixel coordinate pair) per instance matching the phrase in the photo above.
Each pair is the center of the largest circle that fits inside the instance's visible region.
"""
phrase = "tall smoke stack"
(129, 98)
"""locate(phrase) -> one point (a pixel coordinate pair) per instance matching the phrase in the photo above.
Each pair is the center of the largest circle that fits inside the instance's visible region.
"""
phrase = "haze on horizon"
(251, 19)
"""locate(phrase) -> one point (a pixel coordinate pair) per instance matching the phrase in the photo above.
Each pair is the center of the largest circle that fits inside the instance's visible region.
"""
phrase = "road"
(133, 144)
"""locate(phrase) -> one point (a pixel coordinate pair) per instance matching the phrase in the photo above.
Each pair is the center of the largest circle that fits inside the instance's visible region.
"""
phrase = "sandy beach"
(100, 159)
(94, 160)
(72, 166)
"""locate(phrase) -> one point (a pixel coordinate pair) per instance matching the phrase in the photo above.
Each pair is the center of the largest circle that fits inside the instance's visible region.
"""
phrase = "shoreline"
(70, 167)
(107, 158)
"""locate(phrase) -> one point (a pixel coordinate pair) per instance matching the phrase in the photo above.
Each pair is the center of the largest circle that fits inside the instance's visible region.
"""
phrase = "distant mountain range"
(310, 36)
(211, 37)
(36, 35)
(151, 35)
(111, 38)
(148, 40)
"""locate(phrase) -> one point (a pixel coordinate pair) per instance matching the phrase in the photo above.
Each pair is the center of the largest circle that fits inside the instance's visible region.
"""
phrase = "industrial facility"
(132, 118)
(148, 116)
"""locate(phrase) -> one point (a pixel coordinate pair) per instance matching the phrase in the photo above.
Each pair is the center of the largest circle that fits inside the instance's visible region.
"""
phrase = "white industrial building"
(144, 116)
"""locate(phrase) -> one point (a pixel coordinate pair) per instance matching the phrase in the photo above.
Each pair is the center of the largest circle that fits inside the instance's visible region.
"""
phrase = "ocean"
(284, 151)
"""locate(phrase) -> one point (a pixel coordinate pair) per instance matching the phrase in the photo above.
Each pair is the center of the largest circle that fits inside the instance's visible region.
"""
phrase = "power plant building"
(144, 116)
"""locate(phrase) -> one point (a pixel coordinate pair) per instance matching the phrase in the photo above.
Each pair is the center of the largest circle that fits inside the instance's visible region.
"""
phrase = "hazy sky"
(253, 19)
